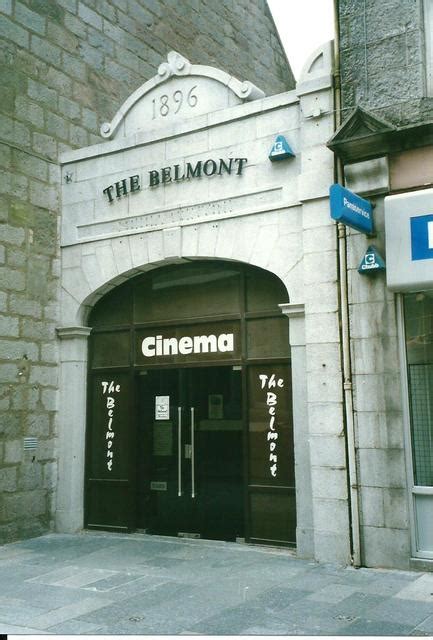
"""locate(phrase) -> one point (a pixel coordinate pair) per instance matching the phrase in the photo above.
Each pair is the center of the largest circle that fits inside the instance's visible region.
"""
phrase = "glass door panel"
(190, 478)
(164, 504)
(215, 394)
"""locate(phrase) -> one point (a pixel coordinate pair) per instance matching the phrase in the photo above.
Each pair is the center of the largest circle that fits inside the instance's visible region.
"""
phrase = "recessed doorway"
(190, 428)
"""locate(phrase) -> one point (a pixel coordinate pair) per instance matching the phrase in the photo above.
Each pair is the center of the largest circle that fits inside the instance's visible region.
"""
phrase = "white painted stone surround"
(275, 215)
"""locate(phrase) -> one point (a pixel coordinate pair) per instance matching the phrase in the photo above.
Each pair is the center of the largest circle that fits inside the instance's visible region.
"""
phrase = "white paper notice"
(162, 407)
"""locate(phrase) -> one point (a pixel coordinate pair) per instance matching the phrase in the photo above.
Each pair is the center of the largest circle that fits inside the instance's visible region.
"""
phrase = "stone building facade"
(66, 66)
(175, 293)
(165, 197)
(383, 149)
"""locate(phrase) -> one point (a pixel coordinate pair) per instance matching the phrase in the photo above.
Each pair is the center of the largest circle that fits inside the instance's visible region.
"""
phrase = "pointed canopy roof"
(361, 135)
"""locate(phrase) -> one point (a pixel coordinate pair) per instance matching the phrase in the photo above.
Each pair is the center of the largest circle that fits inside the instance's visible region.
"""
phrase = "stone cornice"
(69, 333)
(292, 309)
(193, 125)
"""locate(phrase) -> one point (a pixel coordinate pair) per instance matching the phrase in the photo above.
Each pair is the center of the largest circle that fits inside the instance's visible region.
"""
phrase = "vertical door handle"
(192, 455)
(179, 451)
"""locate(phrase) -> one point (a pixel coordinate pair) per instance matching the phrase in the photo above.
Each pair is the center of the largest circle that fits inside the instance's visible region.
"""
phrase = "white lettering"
(148, 347)
(110, 387)
(354, 207)
(170, 346)
(185, 345)
(202, 344)
(271, 382)
(225, 342)
(271, 399)
(159, 346)
(263, 378)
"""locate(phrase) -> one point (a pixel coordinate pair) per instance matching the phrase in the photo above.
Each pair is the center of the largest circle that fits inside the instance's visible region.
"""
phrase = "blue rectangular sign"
(350, 209)
(421, 237)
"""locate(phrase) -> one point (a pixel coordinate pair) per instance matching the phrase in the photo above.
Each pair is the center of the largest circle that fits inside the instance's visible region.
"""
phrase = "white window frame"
(413, 490)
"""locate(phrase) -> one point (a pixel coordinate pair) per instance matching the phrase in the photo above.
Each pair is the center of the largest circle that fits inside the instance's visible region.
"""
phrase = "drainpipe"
(345, 328)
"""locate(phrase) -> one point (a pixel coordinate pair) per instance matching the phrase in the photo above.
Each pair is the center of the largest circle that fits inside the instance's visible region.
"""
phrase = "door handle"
(179, 451)
(192, 455)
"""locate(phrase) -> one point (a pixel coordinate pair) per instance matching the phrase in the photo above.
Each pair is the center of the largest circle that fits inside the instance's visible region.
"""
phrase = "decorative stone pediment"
(179, 91)
(359, 124)
(361, 135)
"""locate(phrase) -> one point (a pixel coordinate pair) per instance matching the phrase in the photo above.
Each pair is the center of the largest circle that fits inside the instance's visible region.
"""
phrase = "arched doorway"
(190, 427)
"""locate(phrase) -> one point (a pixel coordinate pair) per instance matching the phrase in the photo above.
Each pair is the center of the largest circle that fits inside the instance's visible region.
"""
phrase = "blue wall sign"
(280, 149)
(372, 262)
(350, 209)
(421, 236)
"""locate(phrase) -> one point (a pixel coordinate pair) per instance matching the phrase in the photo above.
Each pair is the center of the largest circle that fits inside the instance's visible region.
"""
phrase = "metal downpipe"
(345, 329)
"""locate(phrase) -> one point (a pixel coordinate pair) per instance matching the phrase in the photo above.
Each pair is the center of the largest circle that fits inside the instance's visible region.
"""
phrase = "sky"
(303, 26)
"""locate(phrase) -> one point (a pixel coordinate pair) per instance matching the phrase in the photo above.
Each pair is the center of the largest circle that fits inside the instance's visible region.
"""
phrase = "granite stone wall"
(382, 483)
(382, 59)
(66, 66)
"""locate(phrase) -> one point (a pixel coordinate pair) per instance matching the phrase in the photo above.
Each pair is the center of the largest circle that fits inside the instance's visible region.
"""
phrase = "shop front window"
(418, 311)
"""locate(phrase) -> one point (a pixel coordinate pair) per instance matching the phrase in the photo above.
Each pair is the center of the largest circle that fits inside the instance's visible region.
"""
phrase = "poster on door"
(162, 407)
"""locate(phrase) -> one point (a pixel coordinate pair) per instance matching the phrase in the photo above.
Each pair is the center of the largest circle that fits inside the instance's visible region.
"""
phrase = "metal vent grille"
(30, 444)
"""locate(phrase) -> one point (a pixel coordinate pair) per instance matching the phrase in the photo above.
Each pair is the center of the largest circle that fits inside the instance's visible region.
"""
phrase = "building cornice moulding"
(193, 125)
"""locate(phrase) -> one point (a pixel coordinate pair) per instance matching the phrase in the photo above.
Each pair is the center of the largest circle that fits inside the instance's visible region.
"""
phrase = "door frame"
(243, 410)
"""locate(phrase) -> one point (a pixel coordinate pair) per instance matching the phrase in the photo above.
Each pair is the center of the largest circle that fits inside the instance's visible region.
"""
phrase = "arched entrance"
(190, 427)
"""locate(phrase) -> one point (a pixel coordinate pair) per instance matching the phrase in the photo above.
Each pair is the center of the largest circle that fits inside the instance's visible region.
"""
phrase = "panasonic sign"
(158, 346)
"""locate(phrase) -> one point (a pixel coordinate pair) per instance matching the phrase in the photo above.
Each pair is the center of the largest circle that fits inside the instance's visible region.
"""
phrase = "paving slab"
(407, 612)
(420, 589)
(363, 627)
(68, 612)
(359, 604)
(107, 583)
(425, 627)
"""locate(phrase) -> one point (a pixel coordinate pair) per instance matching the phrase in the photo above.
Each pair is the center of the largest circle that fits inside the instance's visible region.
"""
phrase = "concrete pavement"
(105, 583)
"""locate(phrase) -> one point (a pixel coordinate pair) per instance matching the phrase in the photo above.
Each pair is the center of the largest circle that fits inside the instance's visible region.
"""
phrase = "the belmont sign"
(176, 173)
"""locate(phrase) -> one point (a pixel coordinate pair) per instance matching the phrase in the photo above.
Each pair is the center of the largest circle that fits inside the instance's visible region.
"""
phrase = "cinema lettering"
(176, 173)
(153, 346)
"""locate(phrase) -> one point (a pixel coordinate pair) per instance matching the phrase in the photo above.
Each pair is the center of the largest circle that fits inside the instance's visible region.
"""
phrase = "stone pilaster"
(72, 427)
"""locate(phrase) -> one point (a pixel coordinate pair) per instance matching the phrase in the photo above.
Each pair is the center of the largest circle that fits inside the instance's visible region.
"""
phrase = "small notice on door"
(215, 406)
(162, 407)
